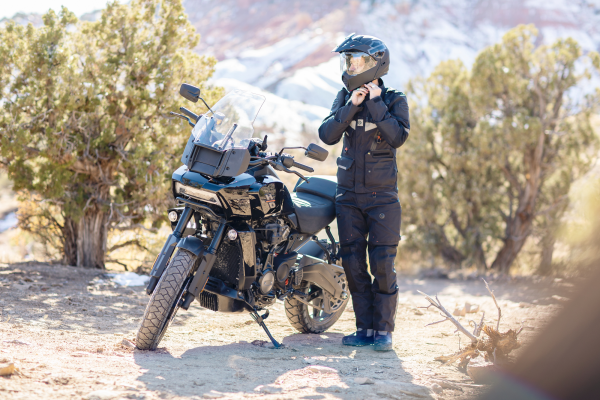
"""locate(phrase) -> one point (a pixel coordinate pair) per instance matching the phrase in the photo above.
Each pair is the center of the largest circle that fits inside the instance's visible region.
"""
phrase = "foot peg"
(260, 320)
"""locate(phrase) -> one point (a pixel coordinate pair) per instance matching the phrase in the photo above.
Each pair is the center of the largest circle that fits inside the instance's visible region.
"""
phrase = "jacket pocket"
(380, 170)
(345, 172)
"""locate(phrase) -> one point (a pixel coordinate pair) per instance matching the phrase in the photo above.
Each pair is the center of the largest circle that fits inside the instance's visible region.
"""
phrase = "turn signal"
(173, 216)
(232, 234)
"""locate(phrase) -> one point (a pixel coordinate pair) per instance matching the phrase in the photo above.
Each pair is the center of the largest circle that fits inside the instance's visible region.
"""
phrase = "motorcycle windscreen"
(230, 122)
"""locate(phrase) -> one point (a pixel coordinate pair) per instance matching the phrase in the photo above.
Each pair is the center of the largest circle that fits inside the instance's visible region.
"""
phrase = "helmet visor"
(355, 63)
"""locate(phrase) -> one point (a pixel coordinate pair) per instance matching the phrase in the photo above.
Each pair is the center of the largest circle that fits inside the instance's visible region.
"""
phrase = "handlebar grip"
(304, 167)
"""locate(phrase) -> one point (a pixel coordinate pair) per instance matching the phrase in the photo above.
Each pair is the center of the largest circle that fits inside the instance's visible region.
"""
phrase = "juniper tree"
(82, 118)
(496, 149)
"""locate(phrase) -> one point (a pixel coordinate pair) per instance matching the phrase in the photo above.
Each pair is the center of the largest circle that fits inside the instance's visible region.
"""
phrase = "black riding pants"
(370, 220)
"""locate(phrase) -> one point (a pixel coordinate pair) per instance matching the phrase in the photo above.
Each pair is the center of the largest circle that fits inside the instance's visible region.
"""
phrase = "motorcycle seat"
(313, 212)
(318, 185)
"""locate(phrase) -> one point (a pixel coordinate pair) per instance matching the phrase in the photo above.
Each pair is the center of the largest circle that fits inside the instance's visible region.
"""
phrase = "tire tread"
(163, 297)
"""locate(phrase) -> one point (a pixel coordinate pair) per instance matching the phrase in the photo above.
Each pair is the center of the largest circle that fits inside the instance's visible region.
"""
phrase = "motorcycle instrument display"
(241, 240)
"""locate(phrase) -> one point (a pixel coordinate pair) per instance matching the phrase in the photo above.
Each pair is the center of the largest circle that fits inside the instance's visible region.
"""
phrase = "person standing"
(373, 122)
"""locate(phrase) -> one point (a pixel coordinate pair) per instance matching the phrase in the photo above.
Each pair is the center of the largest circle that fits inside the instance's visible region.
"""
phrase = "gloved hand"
(358, 95)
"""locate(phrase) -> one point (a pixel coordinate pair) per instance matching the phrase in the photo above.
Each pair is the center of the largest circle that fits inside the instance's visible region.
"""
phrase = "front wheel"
(309, 319)
(163, 304)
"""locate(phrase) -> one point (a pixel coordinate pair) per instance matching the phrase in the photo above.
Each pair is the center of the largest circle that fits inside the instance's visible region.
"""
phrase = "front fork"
(201, 276)
(167, 251)
(174, 239)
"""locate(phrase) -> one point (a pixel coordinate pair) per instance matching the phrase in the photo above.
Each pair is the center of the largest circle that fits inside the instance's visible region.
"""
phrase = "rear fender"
(321, 274)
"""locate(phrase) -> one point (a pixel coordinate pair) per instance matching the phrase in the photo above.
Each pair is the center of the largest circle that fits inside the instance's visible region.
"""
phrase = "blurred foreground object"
(83, 134)
(563, 361)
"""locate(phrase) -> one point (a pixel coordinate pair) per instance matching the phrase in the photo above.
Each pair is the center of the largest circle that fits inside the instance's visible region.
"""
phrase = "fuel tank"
(244, 196)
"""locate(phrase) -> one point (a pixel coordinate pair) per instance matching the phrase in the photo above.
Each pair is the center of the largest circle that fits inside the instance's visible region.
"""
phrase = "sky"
(8, 8)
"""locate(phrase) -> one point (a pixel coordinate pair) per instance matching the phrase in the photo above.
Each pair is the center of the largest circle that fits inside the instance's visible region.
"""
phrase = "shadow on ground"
(311, 362)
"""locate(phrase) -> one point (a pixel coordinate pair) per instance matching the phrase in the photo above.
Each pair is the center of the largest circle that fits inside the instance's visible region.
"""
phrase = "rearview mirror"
(192, 93)
(316, 152)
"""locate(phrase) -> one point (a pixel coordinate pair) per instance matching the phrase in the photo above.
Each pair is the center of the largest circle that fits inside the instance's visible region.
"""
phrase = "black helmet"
(362, 59)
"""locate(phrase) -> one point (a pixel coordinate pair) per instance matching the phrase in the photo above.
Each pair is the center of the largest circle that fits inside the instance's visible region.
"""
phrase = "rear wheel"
(163, 304)
(312, 319)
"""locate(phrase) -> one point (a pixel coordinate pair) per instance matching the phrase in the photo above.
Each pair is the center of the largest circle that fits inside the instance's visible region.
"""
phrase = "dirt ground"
(63, 328)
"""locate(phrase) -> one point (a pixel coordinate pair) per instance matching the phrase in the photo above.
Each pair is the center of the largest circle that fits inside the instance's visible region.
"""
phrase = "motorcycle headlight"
(196, 193)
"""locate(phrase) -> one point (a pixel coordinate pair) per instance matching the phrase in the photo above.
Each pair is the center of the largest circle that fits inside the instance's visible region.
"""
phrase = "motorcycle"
(240, 240)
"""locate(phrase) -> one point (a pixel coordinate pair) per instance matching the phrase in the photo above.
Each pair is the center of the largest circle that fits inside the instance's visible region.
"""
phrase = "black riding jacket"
(372, 132)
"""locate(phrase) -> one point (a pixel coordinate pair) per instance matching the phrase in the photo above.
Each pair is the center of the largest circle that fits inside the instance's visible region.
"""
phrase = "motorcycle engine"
(274, 270)
(276, 232)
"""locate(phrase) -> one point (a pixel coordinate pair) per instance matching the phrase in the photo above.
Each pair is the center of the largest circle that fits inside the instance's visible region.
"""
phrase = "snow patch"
(129, 279)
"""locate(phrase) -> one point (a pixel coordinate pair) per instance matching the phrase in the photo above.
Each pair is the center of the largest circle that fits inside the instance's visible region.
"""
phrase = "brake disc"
(336, 302)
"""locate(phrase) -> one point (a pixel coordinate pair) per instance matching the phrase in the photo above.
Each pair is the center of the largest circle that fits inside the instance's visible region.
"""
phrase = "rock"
(17, 342)
(267, 389)
(61, 380)
(103, 395)
(260, 343)
(213, 394)
(322, 370)
(7, 369)
(459, 312)
(471, 308)
(448, 385)
(437, 388)
(128, 343)
(364, 381)
(481, 372)
(395, 390)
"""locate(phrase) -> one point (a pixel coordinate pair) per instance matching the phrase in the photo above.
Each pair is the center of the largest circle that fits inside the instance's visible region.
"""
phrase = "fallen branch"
(495, 302)
(477, 329)
(494, 348)
(437, 304)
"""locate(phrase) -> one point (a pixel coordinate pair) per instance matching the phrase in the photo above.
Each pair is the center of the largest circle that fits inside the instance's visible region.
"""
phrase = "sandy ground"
(63, 328)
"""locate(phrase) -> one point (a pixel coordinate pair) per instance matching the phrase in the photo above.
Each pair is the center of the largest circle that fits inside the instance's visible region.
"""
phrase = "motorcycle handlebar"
(302, 166)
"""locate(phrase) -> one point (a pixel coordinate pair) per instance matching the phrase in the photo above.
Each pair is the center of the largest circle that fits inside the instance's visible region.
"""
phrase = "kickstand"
(260, 321)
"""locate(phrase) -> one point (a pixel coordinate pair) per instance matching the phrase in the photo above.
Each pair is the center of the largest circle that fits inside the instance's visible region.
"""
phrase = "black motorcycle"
(240, 239)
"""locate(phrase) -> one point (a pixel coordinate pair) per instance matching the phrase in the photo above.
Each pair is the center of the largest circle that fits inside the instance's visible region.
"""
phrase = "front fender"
(192, 244)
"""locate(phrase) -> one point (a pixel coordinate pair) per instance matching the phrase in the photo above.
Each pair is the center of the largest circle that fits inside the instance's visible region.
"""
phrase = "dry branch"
(495, 302)
(477, 328)
(437, 304)
(495, 347)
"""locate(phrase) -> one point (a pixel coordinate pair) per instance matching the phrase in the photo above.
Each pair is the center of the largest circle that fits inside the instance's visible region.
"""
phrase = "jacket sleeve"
(393, 124)
(332, 128)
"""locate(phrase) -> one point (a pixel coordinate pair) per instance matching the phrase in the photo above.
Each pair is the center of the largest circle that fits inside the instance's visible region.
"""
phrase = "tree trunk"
(517, 231)
(518, 226)
(69, 239)
(548, 241)
(480, 256)
(91, 238)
